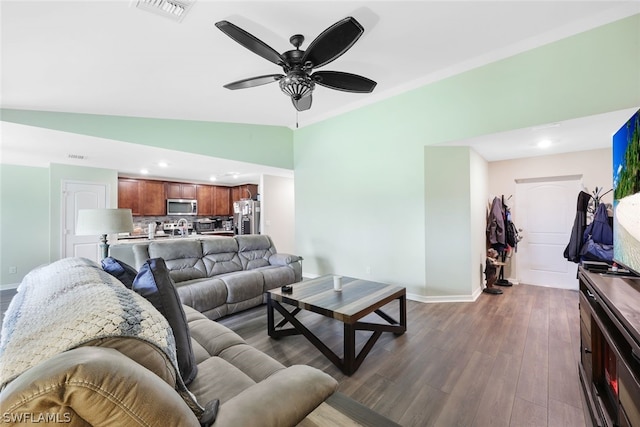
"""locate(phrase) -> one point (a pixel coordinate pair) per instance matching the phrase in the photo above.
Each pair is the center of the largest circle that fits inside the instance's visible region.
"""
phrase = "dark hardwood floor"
(507, 360)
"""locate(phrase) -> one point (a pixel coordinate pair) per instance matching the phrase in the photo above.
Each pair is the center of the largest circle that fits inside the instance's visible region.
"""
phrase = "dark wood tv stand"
(609, 363)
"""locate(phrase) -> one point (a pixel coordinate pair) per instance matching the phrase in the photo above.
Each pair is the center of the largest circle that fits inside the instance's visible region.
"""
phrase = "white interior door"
(545, 210)
(81, 196)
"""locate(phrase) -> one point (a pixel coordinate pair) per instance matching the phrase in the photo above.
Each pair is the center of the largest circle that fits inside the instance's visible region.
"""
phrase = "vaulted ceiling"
(113, 58)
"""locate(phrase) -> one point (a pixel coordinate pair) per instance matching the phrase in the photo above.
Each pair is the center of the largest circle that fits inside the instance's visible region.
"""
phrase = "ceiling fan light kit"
(298, 82)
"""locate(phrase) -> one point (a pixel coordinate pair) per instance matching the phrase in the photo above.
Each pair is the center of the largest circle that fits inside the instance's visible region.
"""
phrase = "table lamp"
(102, 222)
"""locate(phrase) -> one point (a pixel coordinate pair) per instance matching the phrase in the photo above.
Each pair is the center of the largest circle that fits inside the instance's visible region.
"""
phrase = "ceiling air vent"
(172, 9)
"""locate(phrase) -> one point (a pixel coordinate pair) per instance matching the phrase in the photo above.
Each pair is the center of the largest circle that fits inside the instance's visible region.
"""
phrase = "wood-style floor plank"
(505, 360)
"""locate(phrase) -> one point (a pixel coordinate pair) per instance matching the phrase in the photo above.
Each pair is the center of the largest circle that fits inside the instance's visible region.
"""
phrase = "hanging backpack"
(512, 237)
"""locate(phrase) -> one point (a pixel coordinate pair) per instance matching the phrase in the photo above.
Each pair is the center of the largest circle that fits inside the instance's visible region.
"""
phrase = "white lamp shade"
(103, 221)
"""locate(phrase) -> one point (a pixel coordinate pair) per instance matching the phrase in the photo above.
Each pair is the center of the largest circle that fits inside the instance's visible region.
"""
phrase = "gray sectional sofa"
(221, 276)
(81, 349)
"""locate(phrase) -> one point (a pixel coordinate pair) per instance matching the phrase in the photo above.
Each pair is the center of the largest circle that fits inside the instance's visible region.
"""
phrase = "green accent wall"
(24, 221)
(365, 185)
(264, 145)
(365, 170)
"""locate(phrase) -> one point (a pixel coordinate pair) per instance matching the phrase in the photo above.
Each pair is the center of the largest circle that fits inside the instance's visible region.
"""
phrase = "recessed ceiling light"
(144, 171)
(545, 143)
(163, 164)
(236, 176)
(212, 178)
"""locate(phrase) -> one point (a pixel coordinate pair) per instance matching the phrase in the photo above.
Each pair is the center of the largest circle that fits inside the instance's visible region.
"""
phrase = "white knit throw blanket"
(73, 301)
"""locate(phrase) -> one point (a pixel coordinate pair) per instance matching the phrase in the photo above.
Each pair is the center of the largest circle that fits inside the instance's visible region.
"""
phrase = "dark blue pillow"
(120, 270)
(154, 283)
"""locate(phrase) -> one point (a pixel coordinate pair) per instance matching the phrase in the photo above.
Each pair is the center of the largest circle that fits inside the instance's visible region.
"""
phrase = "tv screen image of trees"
(626, 195)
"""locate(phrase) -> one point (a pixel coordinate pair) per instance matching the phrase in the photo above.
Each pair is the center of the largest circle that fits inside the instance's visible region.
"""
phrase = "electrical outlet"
(368, 269)
(13, 270)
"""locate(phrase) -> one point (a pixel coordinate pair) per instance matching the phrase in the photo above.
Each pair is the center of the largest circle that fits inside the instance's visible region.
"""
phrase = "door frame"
(543, 179)
(63, 207)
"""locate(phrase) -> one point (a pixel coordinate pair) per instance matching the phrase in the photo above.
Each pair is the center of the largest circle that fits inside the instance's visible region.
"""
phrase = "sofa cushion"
(154, 283)
(255, 250)
(183, 258)
(243, 285)
(120, 270)
(142, 352)
(93, 386)
(203, 294)
(275, 276)
(221, 256)
(283, 399)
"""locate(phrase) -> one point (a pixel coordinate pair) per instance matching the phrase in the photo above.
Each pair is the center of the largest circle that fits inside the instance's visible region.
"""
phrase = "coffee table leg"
(270, 322)
(349, 362)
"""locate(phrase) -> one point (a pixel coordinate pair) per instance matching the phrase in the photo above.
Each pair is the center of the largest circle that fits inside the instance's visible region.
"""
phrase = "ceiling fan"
(298, 81)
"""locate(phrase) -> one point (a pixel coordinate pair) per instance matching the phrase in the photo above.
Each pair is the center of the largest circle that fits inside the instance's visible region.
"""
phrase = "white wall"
(278, 211)
(595, 166)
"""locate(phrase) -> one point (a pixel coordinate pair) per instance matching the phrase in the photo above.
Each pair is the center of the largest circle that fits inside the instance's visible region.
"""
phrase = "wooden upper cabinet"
(152, 198)
(129, 195)
(205, 197)
(142, 197)
(148, 197)
(246, 191)
(178, 190)
(222, 201)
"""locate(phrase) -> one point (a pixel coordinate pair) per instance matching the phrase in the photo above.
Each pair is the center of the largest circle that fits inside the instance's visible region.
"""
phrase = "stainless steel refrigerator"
(246, 216)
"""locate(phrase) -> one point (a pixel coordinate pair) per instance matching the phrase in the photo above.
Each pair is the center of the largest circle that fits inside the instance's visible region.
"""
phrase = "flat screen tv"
(626, 195)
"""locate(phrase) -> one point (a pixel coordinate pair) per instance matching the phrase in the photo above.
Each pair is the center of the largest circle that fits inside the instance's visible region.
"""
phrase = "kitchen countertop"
(142, 238)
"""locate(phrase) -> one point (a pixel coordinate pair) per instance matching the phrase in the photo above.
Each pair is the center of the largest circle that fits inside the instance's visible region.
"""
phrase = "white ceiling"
(109, 57)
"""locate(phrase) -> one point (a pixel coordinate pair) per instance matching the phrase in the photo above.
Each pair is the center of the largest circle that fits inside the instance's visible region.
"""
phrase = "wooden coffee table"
(357, 299)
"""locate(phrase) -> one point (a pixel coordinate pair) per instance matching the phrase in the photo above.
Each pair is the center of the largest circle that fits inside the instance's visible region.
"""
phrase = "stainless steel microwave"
(182, 207)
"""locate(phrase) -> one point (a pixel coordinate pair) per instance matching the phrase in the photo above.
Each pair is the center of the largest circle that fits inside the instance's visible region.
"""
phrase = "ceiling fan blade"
(303, 103)
(344, 81)
(254, 81)
(250, 42)
(333, 42)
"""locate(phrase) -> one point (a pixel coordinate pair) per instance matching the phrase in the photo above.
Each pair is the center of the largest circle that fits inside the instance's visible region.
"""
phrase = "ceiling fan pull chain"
(296, 119)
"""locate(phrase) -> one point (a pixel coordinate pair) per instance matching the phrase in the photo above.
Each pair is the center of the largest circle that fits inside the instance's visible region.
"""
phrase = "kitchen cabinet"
(222, 201)
(205, 197)
(246, 191)
(152, 197)
(179, 190)
(129, 195)
(214, 200)
(143, 197)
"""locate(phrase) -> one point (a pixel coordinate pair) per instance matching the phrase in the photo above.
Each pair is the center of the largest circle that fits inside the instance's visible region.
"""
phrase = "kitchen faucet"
(183, 226)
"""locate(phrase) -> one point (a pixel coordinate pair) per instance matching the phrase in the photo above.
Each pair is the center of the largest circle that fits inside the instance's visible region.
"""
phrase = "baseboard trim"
(444, 298)
(7, 286)
(423, 298)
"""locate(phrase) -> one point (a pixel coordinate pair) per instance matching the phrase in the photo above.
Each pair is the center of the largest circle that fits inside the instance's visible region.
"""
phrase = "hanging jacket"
(573, 249)
(598, 238)
(599, 230)
(496, 226)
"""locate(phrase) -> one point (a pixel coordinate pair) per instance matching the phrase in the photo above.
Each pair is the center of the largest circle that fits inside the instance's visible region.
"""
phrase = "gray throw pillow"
(154, 283)
(120, 270)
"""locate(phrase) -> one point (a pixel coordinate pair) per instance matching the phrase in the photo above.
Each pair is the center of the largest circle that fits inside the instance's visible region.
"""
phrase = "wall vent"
(172, 9)
(76, 156)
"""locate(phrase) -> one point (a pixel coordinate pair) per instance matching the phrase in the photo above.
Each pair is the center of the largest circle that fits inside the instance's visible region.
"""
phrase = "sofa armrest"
(95, 386)
(283, 259)
(283, 399)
